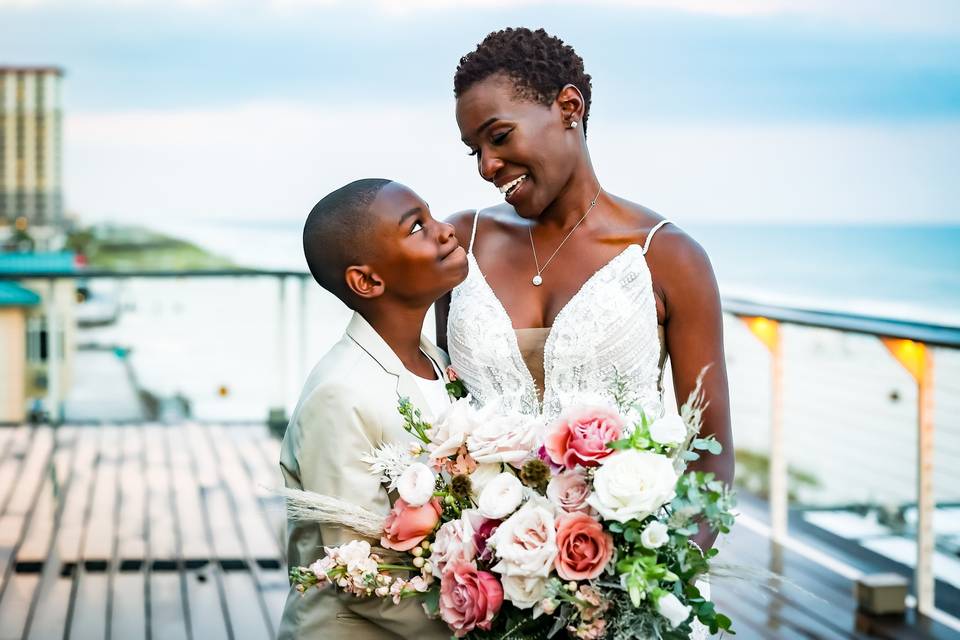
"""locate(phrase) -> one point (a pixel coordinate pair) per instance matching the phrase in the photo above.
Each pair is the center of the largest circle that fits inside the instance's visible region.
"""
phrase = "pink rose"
(580, 436)
(583, 547)
(456, 540)
(407, 526)
(569, 491)
(469, 598)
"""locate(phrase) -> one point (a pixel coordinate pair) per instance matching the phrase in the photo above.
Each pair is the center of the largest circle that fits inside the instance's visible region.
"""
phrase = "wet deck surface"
(152, 531)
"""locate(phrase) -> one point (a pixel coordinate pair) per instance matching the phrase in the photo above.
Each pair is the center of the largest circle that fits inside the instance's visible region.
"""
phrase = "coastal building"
(31, 199)
(37, 330)
(15, 304)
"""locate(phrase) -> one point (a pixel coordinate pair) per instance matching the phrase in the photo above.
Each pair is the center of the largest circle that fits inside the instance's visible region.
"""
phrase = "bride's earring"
(573, 125)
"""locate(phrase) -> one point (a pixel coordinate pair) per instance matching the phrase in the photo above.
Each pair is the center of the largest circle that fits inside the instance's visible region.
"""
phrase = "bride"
(570, 285)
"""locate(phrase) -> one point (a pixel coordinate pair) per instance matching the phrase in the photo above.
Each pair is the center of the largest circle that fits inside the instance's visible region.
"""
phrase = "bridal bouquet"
(508, 526)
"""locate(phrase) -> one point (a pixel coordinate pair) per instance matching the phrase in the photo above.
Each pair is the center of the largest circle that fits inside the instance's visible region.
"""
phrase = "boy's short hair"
(337, 233)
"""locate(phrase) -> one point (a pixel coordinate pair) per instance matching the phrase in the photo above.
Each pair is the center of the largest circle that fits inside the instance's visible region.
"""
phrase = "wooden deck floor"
(152, 531)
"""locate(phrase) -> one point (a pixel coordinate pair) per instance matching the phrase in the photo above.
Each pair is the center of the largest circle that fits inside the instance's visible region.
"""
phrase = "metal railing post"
(54, 353)
(917, 359)
(278, 413)
(281, 390)
(768, 332)
(302, 327)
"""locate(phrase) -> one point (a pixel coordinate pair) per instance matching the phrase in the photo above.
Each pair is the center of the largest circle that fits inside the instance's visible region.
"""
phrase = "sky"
(187, 112)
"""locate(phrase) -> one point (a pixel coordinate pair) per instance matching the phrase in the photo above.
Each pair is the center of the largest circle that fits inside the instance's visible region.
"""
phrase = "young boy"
(373, 244)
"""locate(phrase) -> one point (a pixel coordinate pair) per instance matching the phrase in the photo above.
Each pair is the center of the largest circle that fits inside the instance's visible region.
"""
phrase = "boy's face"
(418, 258)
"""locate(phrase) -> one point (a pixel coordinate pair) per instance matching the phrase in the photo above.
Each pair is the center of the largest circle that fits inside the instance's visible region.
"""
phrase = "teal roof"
(46, 262)
(13, 295)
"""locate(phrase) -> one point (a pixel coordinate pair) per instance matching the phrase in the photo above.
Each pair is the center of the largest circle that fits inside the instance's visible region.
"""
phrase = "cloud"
(272, 161)
(895, 15)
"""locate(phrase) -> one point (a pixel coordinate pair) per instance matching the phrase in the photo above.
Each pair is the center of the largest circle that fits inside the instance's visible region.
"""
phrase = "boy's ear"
(363, 281)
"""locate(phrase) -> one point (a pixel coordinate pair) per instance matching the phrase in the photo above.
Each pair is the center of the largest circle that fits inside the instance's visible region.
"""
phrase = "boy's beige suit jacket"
(349, 406)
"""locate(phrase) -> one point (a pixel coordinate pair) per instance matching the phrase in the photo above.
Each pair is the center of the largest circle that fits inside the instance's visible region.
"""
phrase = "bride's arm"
(694, 334)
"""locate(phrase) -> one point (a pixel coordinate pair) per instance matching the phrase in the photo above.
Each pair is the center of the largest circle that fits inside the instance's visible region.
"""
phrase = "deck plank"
(17, 446)
(103, 522)
(128, 617)
(35, 547)
(51, 608)
(193, 540)
(23, 499)
(15, 606)
(203, 581)
(70, 535)
(258, 541)
(100, 534)
(168, 614)
(89, 611)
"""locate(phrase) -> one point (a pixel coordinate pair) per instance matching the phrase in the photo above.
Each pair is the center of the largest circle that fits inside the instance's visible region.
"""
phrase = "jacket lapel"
(370, 341)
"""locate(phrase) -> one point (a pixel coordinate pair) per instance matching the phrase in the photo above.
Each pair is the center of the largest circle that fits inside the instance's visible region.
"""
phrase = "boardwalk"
(150, 531)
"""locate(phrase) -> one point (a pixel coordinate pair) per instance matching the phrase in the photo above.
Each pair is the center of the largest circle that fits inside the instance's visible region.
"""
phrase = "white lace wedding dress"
(607, 330)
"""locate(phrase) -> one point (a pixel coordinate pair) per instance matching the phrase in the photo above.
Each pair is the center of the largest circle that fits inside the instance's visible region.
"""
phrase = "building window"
(37, 342)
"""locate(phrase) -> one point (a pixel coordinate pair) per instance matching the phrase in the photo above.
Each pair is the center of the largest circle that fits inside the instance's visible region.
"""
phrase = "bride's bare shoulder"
(677, 262)
(500, 217)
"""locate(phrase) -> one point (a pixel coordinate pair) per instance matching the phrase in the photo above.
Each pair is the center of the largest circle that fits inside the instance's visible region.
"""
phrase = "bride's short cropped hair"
(539, 64)
(336, 234)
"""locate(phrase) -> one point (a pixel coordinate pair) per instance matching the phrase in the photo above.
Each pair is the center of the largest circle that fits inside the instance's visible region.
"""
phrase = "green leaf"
(456, 389)
(431, 601)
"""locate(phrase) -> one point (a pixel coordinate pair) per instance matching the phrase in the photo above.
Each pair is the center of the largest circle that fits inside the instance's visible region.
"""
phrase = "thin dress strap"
(646, 243)
(473, 232)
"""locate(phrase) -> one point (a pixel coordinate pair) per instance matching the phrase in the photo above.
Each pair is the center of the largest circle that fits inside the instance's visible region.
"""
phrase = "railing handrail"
(934, 335)
(90, 274)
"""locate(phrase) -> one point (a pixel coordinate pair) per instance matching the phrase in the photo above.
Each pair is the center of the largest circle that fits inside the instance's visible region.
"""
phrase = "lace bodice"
(608, 329)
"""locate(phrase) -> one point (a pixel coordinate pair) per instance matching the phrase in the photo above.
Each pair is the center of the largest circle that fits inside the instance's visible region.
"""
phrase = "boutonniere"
(455, 387)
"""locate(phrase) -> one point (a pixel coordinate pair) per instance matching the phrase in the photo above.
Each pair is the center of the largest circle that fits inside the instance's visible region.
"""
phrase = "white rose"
(526, 542)
(500, 497)
(523, 592)
(505, 437)
(450, 430)
(670, 607)
(416, 484)
(655, 535)
(632, 484)
(482, 476)
(669, 430)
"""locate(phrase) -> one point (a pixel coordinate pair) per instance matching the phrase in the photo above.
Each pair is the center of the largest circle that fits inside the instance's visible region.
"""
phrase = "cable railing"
(859, 399)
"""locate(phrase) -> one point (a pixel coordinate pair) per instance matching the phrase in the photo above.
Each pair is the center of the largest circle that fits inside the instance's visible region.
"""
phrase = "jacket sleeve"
(334, 432)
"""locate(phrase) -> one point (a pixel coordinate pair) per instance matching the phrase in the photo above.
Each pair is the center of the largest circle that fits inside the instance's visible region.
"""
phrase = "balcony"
(142, 510)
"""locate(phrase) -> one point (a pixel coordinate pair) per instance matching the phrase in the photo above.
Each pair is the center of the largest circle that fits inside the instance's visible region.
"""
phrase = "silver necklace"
(538, 279)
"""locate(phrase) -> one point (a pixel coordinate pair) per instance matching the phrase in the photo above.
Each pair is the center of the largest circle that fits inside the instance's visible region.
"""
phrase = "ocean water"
(909, 272)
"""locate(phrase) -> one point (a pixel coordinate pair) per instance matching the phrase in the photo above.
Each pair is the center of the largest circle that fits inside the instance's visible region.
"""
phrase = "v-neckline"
(548, 343)
(568, 303)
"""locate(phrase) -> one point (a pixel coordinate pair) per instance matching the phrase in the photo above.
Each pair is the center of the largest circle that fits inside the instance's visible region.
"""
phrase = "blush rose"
(580, 436)
(407, 526)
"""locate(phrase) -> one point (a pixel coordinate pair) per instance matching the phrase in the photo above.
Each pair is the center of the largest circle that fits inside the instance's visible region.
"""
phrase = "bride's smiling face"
(523, 147)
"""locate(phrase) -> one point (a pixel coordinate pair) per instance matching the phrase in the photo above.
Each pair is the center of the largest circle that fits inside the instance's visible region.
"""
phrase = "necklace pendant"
(537, 280)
